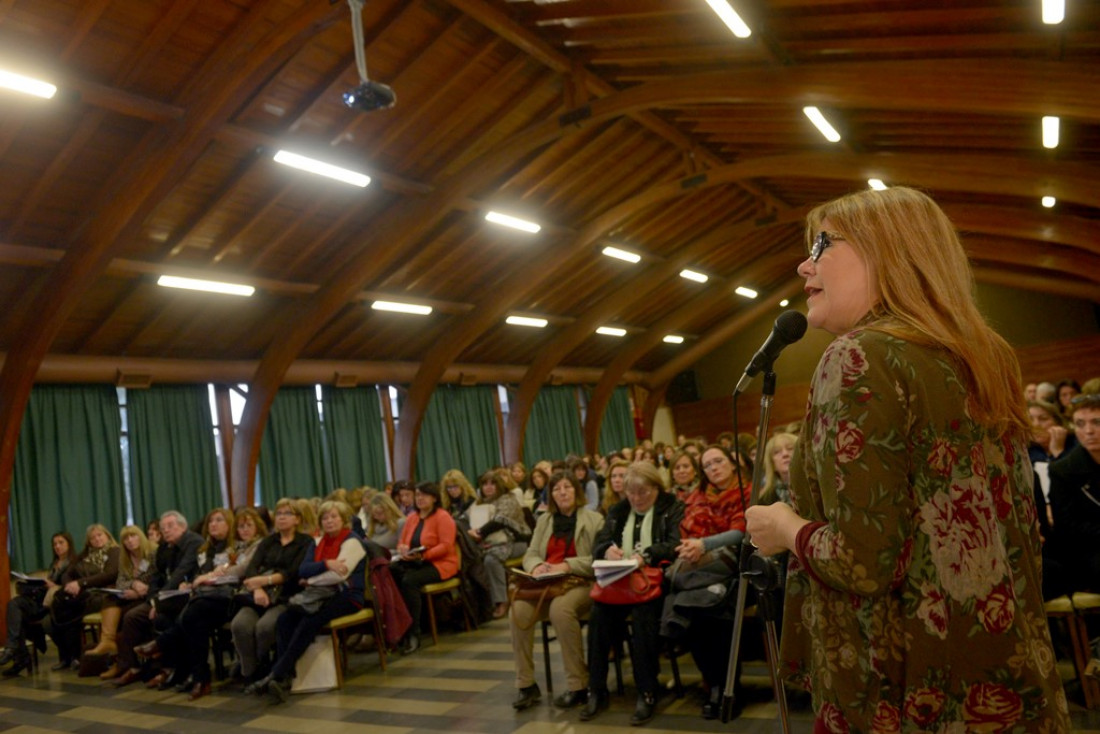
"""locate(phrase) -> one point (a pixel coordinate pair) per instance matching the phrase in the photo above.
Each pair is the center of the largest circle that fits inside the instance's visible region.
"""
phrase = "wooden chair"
(90, 626)
(443, 587)
(1063, 610)
(365, 618)
(1085, 604)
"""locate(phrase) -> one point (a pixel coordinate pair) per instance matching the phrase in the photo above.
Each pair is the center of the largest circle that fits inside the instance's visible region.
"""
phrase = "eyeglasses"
(823, 240)
(285, 513)
(714, 462)
(1089, 399)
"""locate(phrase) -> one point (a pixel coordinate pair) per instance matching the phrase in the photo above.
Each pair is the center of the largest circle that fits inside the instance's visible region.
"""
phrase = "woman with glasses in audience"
(426, 554)
(645, 527)
(503, 537)
(268, 583)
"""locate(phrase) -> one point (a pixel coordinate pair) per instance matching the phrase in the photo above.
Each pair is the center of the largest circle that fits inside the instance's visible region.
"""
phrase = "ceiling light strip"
(398, 307)
(208, 286)
(526, 321)
(1051, 127)
(508, 220)
(26, 85)
(730, 17)
(620, 254)
(822, 124)
(694, 275)
(611, 331)
(320, 168)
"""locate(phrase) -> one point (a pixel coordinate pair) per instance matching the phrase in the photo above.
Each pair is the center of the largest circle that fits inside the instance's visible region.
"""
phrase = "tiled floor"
(465, 684)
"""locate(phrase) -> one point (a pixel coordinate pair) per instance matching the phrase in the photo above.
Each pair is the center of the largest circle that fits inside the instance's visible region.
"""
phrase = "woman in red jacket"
(426, 555)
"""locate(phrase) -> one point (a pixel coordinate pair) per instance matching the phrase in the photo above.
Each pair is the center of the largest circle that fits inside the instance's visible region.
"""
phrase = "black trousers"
(296, 628)
(410, 577)
(21, 611)
(607, 625)
(197, 622)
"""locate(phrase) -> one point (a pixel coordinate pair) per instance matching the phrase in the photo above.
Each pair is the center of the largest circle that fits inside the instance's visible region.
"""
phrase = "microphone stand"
(763, 573)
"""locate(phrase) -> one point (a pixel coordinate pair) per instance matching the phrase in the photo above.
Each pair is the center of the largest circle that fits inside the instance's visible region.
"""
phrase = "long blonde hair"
(458, 479)
(147, 549)
(771, 476)
(927, 293)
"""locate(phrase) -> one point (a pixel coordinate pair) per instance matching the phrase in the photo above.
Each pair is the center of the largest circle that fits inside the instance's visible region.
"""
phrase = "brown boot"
(111, 672)
(107, 632)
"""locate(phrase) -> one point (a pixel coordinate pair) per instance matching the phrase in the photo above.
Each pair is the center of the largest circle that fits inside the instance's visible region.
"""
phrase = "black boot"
(22, 660)
(527, 697)
(644, 709)
(7, 655)
(597, 701)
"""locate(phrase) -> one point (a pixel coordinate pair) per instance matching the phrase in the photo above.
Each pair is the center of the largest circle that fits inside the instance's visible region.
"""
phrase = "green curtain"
(292, 454)
(353, 430)
(459, 431)
(554, 426)
(173, 459)
(617, 426)
(68, 470)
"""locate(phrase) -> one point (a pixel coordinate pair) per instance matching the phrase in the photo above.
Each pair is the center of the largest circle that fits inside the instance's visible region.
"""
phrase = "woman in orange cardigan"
(426, 555)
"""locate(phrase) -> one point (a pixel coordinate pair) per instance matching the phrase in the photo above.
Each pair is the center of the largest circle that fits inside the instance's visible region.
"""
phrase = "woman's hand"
(72, 588)
(140, 589)
(774, 528)
(259, 595)
(337, 565)
(130, 594)
(614, 553)
(256, 582)
(691, 549)
(1057, 440)
(545, 568)
(474, 534)
(206, 578)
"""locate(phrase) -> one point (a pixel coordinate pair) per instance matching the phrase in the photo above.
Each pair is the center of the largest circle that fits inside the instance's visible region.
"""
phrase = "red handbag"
(642, 585)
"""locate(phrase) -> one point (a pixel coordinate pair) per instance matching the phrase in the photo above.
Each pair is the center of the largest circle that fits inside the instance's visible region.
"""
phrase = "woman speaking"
(913, 595)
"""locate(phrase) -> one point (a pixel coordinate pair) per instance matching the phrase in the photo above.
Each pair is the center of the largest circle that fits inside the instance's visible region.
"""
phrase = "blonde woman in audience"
(135, 569)
(503, 537)
(458, 495)
(96, 567)
(777, 469)
(384, 521)
(307, 510)
(613, 492)
(562, 544)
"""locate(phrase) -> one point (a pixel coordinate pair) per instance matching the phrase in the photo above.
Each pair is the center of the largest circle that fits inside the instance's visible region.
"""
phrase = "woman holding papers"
(562, 544)
(503, 536)
(218, 580)
(135, 570)
(29, 606)
(645, 527)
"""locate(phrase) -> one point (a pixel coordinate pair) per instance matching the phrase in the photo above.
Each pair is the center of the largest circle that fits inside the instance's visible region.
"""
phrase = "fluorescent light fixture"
(526, 321)
(730, 17)
(27, 85)
(1054, 11)
(398, 307)
(673, 339)
(746, 292)
(611, 331)
(876, 184)
(692, 275)
(311, 165)
(822, 124)
(1050, 132)
(514, 222)
(210, 286)
(1049, 202)
(784, 303)
(618, 254)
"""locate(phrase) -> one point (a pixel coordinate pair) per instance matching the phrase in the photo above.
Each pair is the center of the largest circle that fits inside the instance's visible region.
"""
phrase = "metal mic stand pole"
(763, 573)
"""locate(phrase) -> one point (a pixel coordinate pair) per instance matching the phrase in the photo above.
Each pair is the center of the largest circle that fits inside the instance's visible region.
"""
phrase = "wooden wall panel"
(710, 417)
(1078, 359)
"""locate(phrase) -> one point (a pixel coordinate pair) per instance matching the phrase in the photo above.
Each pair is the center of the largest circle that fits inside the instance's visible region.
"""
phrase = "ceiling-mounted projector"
(369, 96)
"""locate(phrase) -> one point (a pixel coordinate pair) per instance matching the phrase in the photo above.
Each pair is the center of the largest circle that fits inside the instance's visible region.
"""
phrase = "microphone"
(789, 328)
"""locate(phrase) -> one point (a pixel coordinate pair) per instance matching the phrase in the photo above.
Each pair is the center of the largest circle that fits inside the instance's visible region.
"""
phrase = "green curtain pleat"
(617, 426)
(554, 426)
(292, 454)
(459, 431)
(68, 469)
(173, 459)
(353, 428)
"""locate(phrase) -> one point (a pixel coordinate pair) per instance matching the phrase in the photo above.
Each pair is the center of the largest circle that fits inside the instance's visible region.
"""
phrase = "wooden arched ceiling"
(642, 122)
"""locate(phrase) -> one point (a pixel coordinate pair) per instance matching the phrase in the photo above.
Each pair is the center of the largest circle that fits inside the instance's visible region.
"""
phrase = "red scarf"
(329, 547)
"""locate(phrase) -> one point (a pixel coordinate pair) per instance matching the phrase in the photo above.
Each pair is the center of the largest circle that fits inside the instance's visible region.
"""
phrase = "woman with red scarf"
(336, 562)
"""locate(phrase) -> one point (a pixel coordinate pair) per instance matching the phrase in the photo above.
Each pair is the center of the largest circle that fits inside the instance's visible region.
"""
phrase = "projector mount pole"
(358, 40)
(763, 573)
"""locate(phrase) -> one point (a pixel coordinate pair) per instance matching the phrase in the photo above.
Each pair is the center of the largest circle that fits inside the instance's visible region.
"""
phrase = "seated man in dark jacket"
(176, 562)
(1075, 495)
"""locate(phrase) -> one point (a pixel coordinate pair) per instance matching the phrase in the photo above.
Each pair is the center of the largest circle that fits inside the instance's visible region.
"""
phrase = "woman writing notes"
(913, 595)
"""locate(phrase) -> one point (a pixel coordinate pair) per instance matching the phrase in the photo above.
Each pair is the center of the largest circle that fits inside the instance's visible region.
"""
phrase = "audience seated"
(616, 479)
(30, 604)
(426, 555)
(645, 526)
(685, 474)
(95, 568)
(384, 521)
(1067, 391)
(562, 544)
(504, 536)
(458, 496)
(136, 565)
(268, 583)
(1075, 495)
(331, 581)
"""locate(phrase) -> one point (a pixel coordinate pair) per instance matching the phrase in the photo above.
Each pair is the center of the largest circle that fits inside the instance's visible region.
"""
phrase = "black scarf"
(565, 526)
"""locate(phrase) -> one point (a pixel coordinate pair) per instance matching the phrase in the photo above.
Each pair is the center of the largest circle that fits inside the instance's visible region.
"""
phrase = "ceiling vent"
(467, 380)
(342, 380)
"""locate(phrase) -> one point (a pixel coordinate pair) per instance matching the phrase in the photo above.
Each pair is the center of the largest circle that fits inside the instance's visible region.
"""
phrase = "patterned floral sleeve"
(857, 456)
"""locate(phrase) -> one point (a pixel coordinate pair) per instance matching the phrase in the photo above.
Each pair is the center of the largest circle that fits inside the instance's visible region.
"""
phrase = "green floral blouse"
(917, 604)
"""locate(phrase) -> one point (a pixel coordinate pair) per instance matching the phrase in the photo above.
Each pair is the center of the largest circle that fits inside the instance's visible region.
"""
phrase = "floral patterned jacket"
(914, 603)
